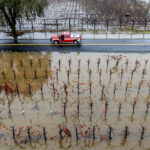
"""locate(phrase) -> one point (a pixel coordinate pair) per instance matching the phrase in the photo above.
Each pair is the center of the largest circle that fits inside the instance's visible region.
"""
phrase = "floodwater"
(75, 101)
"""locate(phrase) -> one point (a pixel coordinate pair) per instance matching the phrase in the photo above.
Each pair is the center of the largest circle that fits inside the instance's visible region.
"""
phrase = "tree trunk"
(11, 20)
(14, 33)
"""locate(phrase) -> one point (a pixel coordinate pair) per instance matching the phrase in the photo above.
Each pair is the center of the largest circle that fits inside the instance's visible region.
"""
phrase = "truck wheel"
(55, 42)
(75, 42)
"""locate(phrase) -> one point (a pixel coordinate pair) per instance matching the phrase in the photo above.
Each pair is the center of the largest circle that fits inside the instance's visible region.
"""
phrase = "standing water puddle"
(74, 101)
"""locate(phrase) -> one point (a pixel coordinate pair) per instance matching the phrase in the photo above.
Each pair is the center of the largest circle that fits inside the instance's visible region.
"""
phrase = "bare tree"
(116, 8)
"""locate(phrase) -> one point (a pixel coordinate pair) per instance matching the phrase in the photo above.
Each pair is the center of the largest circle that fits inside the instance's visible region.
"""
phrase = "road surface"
(86, 46)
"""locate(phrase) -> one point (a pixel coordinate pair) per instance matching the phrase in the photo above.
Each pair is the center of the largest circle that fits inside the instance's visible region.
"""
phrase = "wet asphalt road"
(141, 46)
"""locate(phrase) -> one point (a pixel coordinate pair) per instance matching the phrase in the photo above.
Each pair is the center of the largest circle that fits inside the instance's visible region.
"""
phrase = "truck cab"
(66, 38)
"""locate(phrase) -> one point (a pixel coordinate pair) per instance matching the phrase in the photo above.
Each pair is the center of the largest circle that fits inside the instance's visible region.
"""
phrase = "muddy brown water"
(77, 112)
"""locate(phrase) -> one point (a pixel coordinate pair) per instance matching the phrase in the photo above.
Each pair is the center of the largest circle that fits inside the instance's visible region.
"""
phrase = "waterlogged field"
(74, 101)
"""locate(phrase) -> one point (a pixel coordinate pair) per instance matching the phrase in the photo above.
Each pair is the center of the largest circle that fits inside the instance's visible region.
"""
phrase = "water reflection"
(74, 101)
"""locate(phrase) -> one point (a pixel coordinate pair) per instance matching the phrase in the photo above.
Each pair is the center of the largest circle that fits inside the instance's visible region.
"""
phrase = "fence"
(103, 24)
(104, 28)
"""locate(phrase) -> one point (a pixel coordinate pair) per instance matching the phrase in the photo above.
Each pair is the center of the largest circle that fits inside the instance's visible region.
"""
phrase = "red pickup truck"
(66, 38)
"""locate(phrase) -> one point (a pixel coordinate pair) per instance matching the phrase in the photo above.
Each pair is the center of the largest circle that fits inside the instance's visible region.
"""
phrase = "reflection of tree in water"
(24, 72)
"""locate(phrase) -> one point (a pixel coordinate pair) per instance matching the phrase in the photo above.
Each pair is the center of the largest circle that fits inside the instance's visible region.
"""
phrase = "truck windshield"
(58, 35)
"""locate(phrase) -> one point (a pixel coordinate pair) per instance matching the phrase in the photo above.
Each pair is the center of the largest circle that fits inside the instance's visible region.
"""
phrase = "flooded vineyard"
(74, 101)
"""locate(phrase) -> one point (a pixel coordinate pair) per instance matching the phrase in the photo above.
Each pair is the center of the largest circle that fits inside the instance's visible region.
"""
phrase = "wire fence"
(103, 24)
